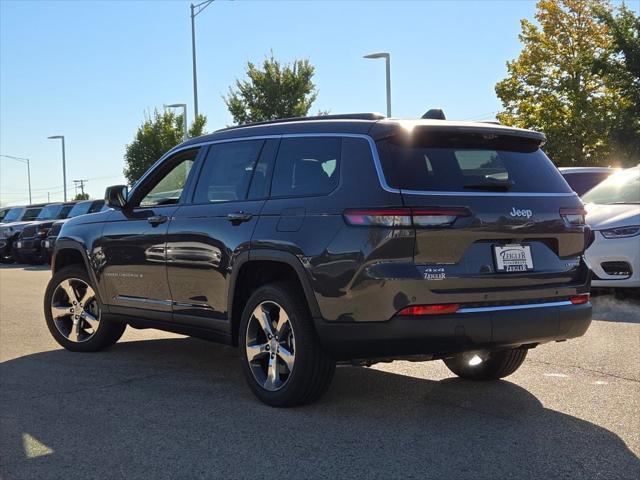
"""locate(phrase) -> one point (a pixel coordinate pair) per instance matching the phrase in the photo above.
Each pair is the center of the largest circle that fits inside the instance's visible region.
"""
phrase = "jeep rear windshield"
(428, 161)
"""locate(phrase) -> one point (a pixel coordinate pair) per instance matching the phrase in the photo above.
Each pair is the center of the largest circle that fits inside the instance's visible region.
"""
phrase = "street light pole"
(64, 163)
(195, 10)
(387, 59)
(183, 106)
(23, 160)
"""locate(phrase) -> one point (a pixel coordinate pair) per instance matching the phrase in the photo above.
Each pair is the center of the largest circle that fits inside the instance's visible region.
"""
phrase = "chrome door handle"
(157, 220)
(238, 217)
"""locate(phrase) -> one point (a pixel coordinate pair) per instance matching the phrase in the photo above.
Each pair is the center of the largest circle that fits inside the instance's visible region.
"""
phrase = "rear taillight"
(439, 309)
(405, 216)
(580, 299)
(573, 216)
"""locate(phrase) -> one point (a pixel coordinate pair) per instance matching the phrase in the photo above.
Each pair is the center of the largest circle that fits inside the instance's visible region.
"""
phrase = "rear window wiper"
(490, 185)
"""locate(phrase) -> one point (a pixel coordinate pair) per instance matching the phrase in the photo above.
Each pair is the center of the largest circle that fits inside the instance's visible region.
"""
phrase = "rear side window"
(306, 166)
(467, 165)
(227, 171)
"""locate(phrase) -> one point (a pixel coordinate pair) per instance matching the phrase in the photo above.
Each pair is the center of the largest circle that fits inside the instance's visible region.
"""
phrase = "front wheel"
(486, 365)
(282, 358)
(74, 313)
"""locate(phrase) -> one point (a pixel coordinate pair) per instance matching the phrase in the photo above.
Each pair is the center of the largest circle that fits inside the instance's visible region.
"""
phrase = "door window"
(306, 166)
(170, 181)
(227, 171)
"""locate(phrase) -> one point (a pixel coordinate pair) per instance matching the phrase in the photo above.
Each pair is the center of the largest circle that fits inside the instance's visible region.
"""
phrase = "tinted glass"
(97, 206)
(79, 209)
(49, 212)
(623, 187)
(31, 214)
(306, 166)
(585, 181)
(417, 166)
(12, 215)
(168, 190)
(227, 171)
(64, 213)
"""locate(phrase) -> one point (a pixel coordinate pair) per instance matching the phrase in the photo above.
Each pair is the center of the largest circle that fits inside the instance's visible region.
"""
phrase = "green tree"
(81, 196)
(552, 85)
(275, 91)
(158, 133)
(621, 70)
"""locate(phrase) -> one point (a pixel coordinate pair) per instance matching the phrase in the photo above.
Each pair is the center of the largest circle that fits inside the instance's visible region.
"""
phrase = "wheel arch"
(256, 268)
(69, 252)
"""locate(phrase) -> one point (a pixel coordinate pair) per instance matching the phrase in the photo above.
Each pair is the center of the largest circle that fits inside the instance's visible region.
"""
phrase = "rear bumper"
(441, 335)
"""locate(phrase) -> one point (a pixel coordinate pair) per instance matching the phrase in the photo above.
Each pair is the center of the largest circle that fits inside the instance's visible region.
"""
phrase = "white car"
(613, 212)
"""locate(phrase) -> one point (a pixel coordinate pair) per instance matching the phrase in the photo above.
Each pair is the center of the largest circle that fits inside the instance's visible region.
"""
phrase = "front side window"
(306, 166)
(31, 214)
(167, 190)
(227, 171)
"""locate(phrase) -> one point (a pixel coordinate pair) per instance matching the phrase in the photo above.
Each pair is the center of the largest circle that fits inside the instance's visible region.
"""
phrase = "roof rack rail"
(339, 116)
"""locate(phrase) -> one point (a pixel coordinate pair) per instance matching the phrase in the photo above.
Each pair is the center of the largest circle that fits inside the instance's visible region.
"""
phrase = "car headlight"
(621, 232)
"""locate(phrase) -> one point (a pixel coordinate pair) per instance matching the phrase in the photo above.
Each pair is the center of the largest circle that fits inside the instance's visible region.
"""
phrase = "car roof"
(587, 169)
(371, 124)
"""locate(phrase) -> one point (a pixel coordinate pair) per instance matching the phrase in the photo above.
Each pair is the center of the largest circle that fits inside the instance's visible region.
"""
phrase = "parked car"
(3, 213)
(28, 247)
(80, 208)
(583, 179)
(15, 220)
(349, 238)
(613, 211)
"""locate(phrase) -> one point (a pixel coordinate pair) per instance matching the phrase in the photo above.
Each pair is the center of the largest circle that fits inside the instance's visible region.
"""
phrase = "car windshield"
(621, 188)
(31, 214)
(12, 215)
(80, 209)
(49, 212)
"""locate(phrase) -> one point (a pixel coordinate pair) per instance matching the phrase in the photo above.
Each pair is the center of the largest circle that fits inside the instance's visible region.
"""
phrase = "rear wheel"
(282, 358)
(74, 313)
(487, 365)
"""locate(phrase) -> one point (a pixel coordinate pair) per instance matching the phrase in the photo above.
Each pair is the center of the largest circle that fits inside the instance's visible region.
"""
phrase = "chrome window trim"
(376, 161)
(514, 307)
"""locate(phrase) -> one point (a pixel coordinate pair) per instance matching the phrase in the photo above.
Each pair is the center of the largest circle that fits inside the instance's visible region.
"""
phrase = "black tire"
(106, 334)
(313, 368)
(497, 365)
(6, 259)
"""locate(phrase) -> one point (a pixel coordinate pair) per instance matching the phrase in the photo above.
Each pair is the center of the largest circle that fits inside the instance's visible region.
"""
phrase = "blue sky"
(90, 70)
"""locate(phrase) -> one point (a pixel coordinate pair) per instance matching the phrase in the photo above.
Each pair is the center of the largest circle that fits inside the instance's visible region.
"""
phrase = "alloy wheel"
(75, 310)
(270, 346)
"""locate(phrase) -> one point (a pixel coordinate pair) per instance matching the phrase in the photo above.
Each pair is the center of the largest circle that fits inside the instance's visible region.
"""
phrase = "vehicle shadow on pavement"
(21, 266)
(179, 408)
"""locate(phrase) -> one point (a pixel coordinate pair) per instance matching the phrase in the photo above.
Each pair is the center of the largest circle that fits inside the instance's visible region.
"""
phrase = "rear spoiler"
(386, 129)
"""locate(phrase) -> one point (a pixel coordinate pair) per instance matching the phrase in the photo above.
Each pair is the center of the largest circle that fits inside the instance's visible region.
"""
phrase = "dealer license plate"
(513, 258)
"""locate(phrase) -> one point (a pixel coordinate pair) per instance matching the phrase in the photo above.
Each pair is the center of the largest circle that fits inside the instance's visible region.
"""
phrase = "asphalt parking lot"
(161, 406)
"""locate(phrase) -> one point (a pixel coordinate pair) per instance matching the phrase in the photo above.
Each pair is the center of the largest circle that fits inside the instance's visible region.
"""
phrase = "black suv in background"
(28, 248)
(80, 208)
(335, 239)
(14, 221)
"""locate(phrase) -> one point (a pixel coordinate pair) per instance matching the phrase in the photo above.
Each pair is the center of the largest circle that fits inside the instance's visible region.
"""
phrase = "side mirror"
(116, 196)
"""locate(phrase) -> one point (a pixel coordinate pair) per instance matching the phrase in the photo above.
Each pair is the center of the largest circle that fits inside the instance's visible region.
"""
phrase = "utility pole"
(80, 184)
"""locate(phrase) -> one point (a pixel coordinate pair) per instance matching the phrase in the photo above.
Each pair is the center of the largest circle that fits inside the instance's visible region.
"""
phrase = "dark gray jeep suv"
(353, 238)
